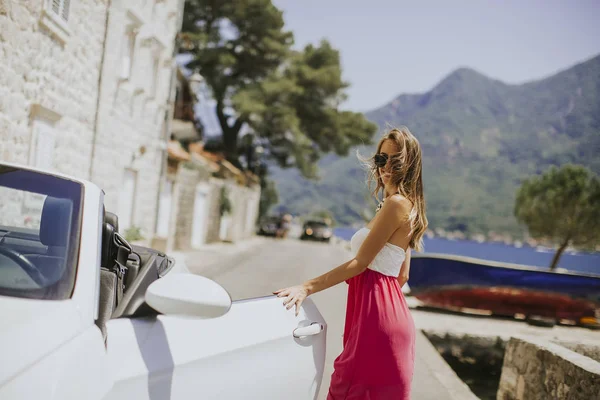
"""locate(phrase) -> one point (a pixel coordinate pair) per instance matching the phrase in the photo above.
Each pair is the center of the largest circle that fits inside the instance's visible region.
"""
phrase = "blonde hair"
(407, 175)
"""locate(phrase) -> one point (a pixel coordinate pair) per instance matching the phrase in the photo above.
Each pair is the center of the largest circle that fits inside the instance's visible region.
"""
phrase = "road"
(270, 264)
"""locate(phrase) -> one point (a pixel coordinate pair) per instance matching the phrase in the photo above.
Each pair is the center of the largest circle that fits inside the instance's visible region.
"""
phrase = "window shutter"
(66, 4)
(56, 6)
(60, 8)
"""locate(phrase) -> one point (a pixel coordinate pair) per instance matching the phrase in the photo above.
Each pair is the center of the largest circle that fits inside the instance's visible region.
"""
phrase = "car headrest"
(55, 221)
(112, 219)
(108, 248)
(114, 247)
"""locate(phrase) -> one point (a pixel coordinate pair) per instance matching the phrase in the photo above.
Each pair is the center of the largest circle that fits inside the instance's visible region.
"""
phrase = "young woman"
(377, 361)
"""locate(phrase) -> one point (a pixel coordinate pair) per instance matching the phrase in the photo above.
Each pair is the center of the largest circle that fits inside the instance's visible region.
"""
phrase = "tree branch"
(559, 252)
(238, 124)
(221, 116)
(211, 20)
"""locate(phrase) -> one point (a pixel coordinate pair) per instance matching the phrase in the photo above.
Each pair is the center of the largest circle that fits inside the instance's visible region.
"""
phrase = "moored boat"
(457, 283)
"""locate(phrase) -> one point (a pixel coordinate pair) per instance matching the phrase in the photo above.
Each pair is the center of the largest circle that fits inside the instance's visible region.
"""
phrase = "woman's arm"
(385, 225)
(392, 214)
(405, 269)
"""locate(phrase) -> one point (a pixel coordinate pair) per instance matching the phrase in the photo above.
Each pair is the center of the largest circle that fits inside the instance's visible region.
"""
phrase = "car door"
(258, 350)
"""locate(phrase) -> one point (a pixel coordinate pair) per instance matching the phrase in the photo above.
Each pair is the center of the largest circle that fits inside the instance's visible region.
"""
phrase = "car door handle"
(313, 329)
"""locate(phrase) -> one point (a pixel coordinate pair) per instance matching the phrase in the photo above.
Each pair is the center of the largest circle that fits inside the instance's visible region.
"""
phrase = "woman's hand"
(294, 295)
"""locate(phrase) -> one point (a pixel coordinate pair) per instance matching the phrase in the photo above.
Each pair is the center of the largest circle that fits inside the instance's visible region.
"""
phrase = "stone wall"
(49, 83)
(244, 211)
(134, 107)
(587, 348)
(214, 215)
(189, 176)
(539, 369)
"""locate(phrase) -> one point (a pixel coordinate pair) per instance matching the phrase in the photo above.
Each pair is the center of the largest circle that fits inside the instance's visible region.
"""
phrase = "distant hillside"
(480, 138)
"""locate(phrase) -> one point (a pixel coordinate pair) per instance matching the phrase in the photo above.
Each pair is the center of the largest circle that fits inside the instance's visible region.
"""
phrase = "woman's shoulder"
(397, 209)
(399, 202)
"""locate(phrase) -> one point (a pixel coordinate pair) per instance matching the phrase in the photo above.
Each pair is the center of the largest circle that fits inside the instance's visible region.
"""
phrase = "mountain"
(480, 138)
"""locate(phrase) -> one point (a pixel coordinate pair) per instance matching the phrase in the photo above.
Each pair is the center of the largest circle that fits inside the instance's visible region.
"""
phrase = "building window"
(55, 18)
(43, 144)
(43, 136)
(60, 9)
(153, 68)
(155, 75)
(127, 53)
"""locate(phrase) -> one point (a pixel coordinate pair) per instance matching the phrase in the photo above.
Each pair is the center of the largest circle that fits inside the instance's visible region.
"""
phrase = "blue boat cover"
(435, 273)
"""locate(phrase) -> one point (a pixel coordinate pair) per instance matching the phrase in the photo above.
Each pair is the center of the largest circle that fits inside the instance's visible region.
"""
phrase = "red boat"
(458, 283)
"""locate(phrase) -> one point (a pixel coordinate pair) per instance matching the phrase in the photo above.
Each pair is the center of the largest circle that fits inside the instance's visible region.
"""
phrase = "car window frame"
(63, 288)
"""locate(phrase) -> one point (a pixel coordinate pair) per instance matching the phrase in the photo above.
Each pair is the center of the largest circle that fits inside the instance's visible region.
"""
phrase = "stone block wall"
(538, 369)
(246, 212)
(587, 348)
(244, 204)
(242, 220)
(50, 73)
(214, 215)
(188, 179)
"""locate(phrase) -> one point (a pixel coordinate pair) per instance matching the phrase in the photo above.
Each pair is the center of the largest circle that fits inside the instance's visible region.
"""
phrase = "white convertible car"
(84, 315)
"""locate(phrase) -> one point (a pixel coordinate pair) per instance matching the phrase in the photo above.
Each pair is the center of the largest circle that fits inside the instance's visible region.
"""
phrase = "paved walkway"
(434, 379)
(459, 324)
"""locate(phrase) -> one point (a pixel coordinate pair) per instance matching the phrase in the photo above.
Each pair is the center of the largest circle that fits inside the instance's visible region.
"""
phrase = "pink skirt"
(377, 361)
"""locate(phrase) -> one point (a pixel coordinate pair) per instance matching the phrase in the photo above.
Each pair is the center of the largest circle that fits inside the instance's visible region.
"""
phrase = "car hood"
(31, 329)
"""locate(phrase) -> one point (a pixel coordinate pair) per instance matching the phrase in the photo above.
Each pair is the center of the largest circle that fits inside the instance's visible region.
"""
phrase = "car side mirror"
(188, 295)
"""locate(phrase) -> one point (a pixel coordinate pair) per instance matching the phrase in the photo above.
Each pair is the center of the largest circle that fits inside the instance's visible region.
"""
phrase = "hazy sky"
(389, 47)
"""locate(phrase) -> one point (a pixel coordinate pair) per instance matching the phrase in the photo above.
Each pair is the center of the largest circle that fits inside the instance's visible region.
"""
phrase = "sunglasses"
(380, 159)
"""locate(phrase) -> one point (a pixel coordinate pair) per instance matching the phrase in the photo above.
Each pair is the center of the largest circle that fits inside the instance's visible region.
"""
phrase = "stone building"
(202, 182)
(193, 205)
(191, 211)
(190, 178)
(86, 88)
(50, 61)
(91, 88)
(229, 184)
(135, 109)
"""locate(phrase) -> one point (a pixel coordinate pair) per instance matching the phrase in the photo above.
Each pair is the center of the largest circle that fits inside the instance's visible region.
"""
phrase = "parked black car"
(269, 226)
(316, 230)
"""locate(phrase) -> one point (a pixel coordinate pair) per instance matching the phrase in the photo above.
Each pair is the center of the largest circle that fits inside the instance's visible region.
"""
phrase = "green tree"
(290, 98)
(562, 205)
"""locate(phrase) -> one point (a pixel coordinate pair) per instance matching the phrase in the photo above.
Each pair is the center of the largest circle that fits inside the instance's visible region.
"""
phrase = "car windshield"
(40, 218)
